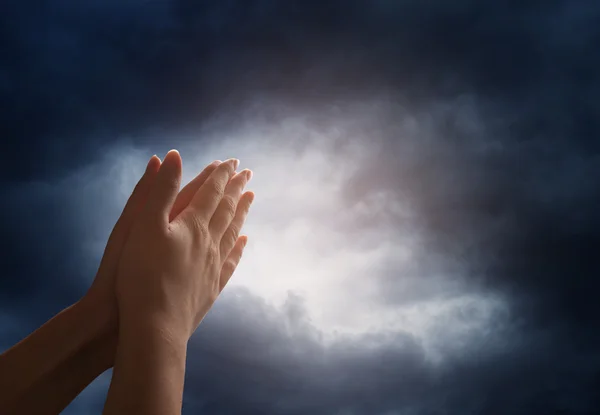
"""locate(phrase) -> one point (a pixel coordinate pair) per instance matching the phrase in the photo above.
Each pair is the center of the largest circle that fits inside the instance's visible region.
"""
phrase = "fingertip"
(244, 240)
(233, 163)
(173, 154)
(153, 164)
(172, 161)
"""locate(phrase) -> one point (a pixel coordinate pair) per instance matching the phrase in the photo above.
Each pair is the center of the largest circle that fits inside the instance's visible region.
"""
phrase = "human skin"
(170, 274)
(79, 343)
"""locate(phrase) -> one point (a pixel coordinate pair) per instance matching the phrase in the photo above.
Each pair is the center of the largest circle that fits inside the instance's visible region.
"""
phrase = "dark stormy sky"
(424, 239)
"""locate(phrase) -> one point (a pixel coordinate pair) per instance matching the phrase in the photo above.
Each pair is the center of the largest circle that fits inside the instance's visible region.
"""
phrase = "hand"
(101, 295)
(173, 267)
(102, 292)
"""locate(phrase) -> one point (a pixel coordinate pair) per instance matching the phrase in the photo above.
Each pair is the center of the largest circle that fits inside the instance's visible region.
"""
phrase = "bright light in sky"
(343, 257)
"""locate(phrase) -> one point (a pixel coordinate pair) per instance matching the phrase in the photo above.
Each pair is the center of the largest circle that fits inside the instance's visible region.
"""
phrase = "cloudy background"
(424, 238)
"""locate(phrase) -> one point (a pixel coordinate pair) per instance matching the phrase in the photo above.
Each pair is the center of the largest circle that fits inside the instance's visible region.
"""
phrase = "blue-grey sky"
(424, 237)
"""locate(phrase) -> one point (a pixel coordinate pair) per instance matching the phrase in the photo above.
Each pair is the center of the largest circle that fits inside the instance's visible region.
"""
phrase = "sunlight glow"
(355, 261)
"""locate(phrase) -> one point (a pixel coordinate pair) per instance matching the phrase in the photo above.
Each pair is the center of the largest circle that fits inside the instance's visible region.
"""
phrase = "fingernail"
(249, 174)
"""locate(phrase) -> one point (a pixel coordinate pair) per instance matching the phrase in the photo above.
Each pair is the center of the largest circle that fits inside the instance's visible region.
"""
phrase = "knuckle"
(227, 243)
(234, 230)
(199, 226)
(214, 198)
(216, 188)
(228, 205)
(213, 254)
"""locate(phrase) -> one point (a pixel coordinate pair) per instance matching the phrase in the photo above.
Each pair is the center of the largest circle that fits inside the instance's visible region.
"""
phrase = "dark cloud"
(485, 114)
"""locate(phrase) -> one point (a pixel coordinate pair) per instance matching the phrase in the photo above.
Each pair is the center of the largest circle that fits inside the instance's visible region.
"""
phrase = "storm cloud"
(424, 235)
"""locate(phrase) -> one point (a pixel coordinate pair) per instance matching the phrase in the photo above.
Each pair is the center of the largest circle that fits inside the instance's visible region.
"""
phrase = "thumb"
(166, 186)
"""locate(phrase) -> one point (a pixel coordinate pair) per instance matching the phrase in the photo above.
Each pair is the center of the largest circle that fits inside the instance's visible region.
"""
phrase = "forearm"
(149, 371)
(50, 367)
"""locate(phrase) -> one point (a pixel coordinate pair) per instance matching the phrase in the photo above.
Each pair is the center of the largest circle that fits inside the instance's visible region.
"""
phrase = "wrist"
(153, 326)
(100, 323)
(150, 367)
(100, 318)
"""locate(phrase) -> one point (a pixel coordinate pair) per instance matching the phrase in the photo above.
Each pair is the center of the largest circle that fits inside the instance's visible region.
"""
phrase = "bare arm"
(46, 370)
(149, 371)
